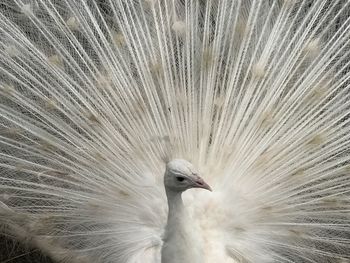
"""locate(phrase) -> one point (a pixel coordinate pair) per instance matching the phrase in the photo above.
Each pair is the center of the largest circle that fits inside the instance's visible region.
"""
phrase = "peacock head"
(181, 175)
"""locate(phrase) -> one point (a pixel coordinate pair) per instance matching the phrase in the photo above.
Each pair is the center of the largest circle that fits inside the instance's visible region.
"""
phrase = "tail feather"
(96, 96)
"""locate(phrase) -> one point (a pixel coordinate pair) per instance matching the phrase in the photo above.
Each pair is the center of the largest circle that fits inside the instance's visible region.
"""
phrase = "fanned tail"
(96, 96)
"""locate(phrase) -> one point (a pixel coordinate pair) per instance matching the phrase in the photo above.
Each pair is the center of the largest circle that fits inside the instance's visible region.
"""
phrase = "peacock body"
(98, 97)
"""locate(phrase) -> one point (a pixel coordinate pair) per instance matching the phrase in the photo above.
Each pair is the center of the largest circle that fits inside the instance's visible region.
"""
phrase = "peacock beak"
(200, 183)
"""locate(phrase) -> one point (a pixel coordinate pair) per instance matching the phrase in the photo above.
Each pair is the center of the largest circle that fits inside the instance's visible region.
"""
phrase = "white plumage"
(96, 97)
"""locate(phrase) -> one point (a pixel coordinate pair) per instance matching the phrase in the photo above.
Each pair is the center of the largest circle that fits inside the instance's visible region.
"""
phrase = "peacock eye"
(180, 178)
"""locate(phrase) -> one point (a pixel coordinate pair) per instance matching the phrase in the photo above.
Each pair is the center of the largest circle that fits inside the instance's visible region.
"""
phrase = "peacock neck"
(180, 240)
(176, 213)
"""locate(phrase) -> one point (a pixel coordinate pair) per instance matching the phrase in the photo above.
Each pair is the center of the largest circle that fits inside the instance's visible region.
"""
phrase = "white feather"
(95, 96)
